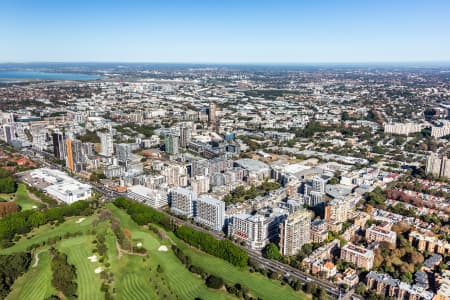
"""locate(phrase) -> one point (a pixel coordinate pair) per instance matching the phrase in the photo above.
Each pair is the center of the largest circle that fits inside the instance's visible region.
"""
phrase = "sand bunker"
(34, 207)
(80, 220)
(98, 270)
(163, 248)
(139, 245)
(93, 258)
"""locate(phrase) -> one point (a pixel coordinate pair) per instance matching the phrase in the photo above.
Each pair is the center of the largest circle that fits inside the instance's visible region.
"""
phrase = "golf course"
(153, 272)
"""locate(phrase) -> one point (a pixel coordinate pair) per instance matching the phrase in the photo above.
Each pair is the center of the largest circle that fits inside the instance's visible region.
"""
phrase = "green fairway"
(132, 278)
(44, 232)
(36, 283)
(24, 199)
(175, 280)
(259, 285)
(135, 277)
(78, 250)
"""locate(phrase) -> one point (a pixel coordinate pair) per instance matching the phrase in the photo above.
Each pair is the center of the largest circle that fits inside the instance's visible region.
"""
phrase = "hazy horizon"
(228, 32)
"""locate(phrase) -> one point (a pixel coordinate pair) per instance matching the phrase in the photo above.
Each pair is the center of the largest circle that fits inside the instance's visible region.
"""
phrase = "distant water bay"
(12, 76)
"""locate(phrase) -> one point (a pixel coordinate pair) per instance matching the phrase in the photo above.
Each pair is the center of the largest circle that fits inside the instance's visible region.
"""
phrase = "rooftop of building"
(252, 164)
(358, 249)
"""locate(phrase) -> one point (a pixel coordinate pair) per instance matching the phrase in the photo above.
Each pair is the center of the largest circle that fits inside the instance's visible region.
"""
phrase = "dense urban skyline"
(225, 150)
(231, 32)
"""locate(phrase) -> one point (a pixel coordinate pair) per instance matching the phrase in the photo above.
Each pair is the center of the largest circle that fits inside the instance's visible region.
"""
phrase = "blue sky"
(227, 31)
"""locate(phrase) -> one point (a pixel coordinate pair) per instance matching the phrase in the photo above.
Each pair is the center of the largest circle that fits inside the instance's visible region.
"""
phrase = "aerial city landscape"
(193, 179)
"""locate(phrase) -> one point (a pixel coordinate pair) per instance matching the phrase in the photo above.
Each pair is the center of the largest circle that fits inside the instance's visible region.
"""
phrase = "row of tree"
(7, 185)
(11, 267)
(211, 281)
(64, 274)
(143, 214)
(22, 222)
(241, 193)
(224, 249)
(42, 196)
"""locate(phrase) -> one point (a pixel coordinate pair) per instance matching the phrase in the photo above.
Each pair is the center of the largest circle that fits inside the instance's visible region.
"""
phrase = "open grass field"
(5, 197)
(36, 283)
(47, 231)
(135, 277)
(175, 282)
(132, 278)
(24, 199)
(259, 285)
(78, 250)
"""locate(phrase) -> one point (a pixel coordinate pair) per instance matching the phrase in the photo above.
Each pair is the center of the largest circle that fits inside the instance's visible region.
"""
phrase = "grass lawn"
(258, 284)
(175, 282)
(46, 231)
(135, 277)
(5, 197)
(131, 277)
(78, 250)
(24, 199)
(36, 283)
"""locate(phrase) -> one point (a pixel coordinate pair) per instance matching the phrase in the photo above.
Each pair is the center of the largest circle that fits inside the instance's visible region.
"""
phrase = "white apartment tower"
(295, 232)
(439, 167)
(210, 211)
(200, 184)
(107, 145)
(182, 202)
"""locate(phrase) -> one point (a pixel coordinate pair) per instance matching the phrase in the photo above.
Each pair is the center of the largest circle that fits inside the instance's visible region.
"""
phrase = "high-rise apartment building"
(402, 128)
(438, 132)
(315, 192)
(200, 184)
(295, 232)
(360, 256)
(182, 202)
(379, 234)
(123, 152)
(74, 155)
(185, 135)
(78, 155)
(254, 230)
(69, 157)
(319, 183)
(172, 144)
(175, 175)
(210, 211)
(8, 133)
(337, 210)
(151, 197)
(439, 167)
(107, 145)
(59, 145)
(212, 111)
